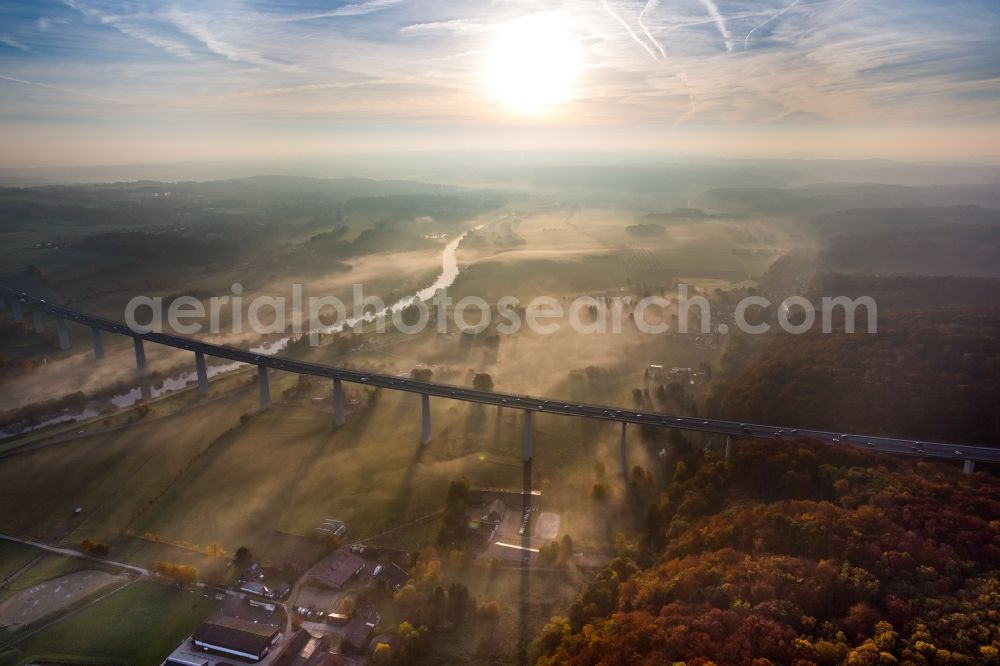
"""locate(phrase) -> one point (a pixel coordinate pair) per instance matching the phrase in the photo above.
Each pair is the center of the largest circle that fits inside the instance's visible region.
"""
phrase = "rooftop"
(394, 575)
(361, 627)
(304, 650)
(231, 633)
(337, 569)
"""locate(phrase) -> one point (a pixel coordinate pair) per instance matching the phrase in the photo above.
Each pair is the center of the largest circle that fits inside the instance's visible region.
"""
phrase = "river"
(449, 273)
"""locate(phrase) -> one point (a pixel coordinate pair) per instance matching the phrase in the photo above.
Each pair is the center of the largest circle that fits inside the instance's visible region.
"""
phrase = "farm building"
(255, 588)
(253, 572)
(233, 637)
(361, 627)
(305, 650)
(342, 612)
(337, 570)
(335, 527)
(394, 576)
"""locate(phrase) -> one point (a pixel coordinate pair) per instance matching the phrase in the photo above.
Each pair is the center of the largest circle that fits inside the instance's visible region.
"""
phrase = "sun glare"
(534, 63)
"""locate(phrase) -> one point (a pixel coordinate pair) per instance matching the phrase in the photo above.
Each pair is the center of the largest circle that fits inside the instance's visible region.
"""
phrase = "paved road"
(892, 445)
(69, 552)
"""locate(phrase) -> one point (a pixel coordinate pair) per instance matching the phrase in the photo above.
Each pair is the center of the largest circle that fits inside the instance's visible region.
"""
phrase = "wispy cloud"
(198, 28)
(152, 38)
(454, 26)
(7, 40)
(309, 88)
(129, 25)
(61, 89)
(773, 18)
(354, 9)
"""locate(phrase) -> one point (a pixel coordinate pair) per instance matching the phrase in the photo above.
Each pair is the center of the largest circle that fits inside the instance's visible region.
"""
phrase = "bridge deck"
(892, 445)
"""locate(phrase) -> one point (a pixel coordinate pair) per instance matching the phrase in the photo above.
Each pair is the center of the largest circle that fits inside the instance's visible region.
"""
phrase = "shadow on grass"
(402, 497)
(524, 611)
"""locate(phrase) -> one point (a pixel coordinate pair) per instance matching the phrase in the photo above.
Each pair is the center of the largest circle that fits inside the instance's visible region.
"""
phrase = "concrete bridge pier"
(338, 402)
(63, 333)
(729, 446)
(140, 357)
(969, 467)
(265, 389)
(202, 370)
(15, 311)
(425, 418)
(95, 334)
(527, 441)
(624, 450)
(37, 321)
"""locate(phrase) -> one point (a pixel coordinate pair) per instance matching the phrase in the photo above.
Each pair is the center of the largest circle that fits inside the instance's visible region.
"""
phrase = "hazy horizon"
(477, 169)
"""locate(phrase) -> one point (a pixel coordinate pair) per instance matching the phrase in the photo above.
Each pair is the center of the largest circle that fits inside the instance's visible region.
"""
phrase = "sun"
(534, 63)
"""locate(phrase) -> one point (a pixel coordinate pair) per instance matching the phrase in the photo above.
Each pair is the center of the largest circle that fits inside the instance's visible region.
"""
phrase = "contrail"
(720, 22)
(823, 20)
(68, 91)
(650, 6)
(631, 33)
(354, 9)
(761, 25)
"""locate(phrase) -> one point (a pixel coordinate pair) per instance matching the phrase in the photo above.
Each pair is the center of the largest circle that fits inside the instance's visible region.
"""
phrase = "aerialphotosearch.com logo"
(544, 315)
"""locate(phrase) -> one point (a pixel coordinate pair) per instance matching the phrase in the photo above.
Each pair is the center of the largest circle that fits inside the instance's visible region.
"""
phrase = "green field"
(594, 254)
(380, 477)
(139, 626)
(287, 469)
(13, 556)
(267, 483)
(235, 494)
(272, 481)
(276, 477)
(110, 475)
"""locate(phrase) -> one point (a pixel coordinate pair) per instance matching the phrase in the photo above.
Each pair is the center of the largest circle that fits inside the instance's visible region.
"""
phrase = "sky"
(99, 82)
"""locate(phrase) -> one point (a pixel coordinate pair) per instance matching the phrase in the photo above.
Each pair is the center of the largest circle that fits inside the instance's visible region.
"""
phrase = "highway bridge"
(18, 303)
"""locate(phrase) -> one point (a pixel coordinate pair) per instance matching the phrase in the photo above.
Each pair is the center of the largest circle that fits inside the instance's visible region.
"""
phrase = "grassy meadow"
(111, 475)
(139, 624)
